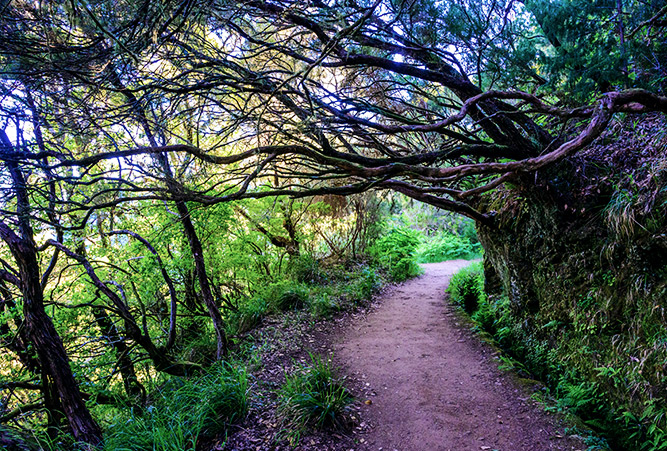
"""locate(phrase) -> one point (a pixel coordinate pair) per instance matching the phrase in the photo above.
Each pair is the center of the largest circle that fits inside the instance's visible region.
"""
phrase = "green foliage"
(583, 51)
(313, 397)
(182, 411)
(396, 251)
(443, 235)
(485, 315)
(466, 287)
(590, 397)
(249, 314)
(348, 288)
(573, 49)
(323, 305)
(285, 295)
(448, 246)
(307, 269)
(360, 285)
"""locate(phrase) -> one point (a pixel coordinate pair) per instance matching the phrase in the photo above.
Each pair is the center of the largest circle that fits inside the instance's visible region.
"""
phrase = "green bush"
(312, 396)
(485, 316)
(286, 295)
(182, 411)
(307, 269)
(362, 284)
(573, 392)
(396, 251)
(322, 305)
(466, 287)
(448, 247)
(249, 314)
(354, 286)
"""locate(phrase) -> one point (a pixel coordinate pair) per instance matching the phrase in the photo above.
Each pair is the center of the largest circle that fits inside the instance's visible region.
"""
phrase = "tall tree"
(60, 387)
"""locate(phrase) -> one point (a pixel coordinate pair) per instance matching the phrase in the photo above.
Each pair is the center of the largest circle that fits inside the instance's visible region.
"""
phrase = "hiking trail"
(430, 384)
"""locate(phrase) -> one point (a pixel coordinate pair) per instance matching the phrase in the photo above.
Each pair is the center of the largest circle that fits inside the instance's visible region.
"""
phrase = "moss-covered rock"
(579, 254)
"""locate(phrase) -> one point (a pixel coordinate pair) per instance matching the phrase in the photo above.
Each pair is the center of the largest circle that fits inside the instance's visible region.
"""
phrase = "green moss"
(580, 298)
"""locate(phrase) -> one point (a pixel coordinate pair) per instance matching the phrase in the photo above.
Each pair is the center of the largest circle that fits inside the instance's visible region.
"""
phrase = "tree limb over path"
(118, 106)
(425, 177)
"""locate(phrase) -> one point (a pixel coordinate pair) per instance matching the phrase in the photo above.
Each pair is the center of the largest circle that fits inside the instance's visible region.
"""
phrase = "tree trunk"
(204, 285)
(133, 388)
(42, 334)
(186, 221)
(39, 328)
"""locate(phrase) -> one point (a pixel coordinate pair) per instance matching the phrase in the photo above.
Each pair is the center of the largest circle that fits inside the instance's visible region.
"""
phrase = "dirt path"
(432, 384)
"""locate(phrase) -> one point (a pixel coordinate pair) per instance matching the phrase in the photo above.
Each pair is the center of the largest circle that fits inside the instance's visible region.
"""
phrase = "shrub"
(467, 287)
(323, 305)
(249, 315)
(485, 316)
(352, 287)
(182, 411)
(312, 396)
(396, 252)
(369, 281)
(448, 247)
(307, 269)
(588, 395)
(362, 284)
(286, 295)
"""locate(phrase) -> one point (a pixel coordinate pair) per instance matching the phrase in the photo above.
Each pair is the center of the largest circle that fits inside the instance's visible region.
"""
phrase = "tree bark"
(131, 383)
(39, 328)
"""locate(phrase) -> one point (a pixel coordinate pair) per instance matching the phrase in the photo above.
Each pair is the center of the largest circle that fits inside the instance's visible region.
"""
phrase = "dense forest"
(171, 172)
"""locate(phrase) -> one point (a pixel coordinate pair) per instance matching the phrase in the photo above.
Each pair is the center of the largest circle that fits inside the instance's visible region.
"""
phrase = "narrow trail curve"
(433, 385)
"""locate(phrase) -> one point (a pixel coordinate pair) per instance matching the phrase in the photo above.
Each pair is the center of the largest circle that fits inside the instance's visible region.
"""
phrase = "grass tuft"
(466, 288)
(183, 411)
(313, 397)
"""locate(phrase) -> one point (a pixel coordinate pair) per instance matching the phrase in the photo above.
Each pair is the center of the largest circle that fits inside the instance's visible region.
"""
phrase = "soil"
(431, 384)
(423, 380)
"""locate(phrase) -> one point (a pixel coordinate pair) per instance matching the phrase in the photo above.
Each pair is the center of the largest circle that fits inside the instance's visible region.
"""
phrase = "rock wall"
(576, 270)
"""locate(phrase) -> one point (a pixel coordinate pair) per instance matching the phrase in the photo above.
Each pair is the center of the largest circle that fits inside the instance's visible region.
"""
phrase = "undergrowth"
(442, 235)
(182, 411)
(448, 246)
(396, 252)
(312, 397)
(466, 288)
(639, 426)
(336, 288)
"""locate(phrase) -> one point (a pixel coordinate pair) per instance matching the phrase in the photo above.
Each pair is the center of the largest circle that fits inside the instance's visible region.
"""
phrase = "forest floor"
(422, 379)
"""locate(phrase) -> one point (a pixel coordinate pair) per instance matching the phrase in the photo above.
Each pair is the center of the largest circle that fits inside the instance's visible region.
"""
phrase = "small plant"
(361, 285)
(308, 269)
(286, 295)
(467, 288)
(248, 315)
(620, 214)
(323, 305)
(485, 316)
(312, 396)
